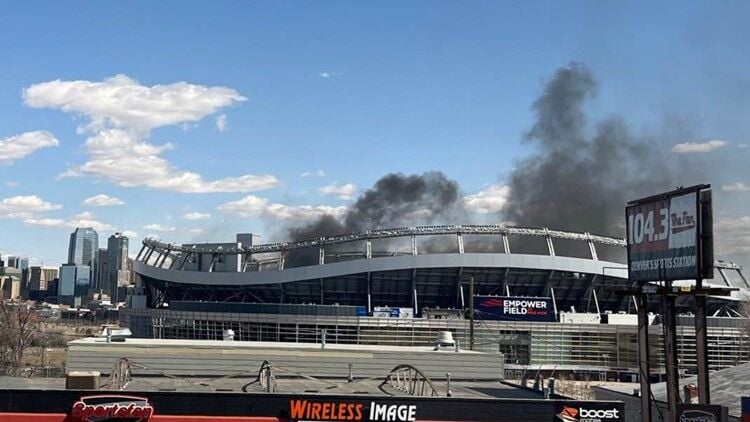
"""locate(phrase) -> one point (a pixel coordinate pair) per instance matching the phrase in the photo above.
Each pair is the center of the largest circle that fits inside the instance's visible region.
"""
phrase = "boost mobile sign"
(669, 236)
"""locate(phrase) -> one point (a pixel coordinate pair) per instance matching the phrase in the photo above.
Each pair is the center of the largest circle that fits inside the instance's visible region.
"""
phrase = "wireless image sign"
(669, 236)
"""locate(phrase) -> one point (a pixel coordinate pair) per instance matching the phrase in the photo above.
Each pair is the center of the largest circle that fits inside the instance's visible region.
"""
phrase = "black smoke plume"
(395, 200)
(581, 175)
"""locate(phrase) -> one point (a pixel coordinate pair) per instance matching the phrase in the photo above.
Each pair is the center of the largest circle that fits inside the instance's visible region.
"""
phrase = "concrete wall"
(218, 358)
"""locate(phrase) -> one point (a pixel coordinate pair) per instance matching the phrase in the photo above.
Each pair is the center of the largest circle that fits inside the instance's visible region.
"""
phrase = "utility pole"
(471, 313)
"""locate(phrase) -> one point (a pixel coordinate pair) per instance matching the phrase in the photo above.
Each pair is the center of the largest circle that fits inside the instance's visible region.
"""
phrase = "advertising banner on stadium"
(668, 236)
(513, 308)
(746, 409)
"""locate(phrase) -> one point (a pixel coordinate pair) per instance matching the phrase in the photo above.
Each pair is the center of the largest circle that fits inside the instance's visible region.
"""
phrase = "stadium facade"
(337, 285)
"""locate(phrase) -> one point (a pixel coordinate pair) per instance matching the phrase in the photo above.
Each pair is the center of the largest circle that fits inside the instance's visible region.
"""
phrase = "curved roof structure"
(348, 269)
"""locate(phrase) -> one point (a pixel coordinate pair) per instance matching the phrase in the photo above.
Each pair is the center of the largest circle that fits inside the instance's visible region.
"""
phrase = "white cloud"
(329, 75)
(123, 102)
(102, 200)
(196, 230)
(221, 122)
(490, 200)
(345, 191)
(122, 113)
(71, 172)
(317, 173)
(158, 228)
(129, 233)
(743, 145)
(87, 219)
(12, 183)
(698, 147)
(44, 222)
(19, 146)
(24, 206)
(197, 216)
(736, 187)
(84, 219)
(28, 209)
(253, 206)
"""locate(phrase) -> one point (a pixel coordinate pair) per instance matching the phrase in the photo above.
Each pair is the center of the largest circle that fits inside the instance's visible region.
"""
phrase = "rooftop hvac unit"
(228, 335)
(82, 380)
(445, 341)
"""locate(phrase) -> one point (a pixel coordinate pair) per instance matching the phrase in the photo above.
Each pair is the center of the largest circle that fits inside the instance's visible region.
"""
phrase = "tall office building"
(19, 262)
(102, 271)
(22, 264)
(74, 284)
(40, 276)
(117, 262)
(83, 248)
(50, 273)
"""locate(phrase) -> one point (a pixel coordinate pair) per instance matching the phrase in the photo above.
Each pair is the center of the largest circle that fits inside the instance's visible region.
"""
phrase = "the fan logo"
(681, 223)
(111, 408)
(582, 414)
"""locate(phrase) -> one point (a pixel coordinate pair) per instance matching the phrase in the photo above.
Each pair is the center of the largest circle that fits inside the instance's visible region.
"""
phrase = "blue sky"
(351, 89)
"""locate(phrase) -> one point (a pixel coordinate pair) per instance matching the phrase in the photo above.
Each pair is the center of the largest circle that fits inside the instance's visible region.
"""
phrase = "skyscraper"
(74, 284)
(82, 249)
(84, 243)
(102, 271)
(39, 277)
(22, 264)
(117, 263)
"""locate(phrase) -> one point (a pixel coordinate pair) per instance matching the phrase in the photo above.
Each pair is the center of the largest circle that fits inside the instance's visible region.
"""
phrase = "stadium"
(402, 286)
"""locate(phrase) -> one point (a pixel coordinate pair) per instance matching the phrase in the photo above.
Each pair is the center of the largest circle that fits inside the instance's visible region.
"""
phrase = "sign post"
(669, 237)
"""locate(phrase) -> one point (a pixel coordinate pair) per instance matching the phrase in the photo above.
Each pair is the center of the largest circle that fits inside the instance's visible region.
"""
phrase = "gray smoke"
(581, 175)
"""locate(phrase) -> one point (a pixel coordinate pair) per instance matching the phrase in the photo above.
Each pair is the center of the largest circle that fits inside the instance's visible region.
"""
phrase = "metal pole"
(701, 345)
(643, 363)
(669, 326)
(471, 313)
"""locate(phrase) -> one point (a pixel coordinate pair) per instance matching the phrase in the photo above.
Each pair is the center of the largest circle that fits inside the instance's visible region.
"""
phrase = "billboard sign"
(392, 312)
(669, 236)
(513, 308)
(701, 412)
(746, 409)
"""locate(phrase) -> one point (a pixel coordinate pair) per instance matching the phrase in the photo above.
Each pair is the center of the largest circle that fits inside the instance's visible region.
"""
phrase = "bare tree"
(18, 327)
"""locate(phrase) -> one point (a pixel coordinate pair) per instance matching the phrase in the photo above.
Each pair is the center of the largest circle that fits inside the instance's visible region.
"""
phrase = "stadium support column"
(321, 255)
(550, 245)
(669, 326)
(368, 250)
(506, 244)
(643, 363)
(414, 291)
(148, 255)
(701, 346)
(369, 292)
(460, 243)
(413, 244)
(592, 248)
(138, 257)
(459, 289)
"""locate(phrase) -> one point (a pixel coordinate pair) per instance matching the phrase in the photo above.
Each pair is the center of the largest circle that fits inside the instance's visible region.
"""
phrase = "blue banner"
(513, 308)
